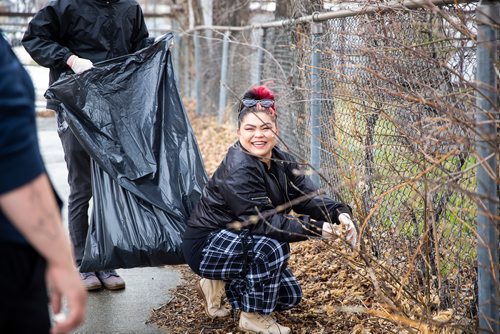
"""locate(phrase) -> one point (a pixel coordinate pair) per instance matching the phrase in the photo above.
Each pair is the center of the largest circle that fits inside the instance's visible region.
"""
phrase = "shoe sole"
(114, 287)
(94, 287)
(247, 331)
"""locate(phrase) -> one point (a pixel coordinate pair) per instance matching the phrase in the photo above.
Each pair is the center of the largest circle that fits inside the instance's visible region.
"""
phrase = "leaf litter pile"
(343, 291)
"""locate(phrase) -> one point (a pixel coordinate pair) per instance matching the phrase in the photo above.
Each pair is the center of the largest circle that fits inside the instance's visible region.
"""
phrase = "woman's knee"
(273, 253)
(290, 296)
(269, 260)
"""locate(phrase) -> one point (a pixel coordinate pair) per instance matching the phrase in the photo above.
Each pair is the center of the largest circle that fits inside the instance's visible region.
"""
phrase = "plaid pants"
(254, 269)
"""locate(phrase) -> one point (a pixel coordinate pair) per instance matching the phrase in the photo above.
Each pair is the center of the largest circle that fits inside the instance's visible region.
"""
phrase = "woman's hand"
(351, 235)
(327, 231)
(348, 228)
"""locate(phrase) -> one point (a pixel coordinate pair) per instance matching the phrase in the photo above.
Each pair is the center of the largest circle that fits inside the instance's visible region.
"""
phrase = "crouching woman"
(238, 241)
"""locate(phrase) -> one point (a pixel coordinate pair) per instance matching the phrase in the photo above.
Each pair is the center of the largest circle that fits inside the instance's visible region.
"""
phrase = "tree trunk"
(288, 9)
(231, 12)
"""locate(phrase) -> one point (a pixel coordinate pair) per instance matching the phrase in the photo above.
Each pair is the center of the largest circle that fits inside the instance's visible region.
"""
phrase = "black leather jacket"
(243, 186)
(93, 29)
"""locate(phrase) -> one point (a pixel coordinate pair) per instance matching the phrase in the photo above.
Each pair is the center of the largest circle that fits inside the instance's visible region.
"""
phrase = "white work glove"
(351, 235)
(346, 226)
(157, 38)
(327, 231)
(79, 65)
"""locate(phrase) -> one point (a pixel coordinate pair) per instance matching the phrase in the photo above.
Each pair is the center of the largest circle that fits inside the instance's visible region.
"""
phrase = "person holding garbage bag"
(238, 235)
(70, 35)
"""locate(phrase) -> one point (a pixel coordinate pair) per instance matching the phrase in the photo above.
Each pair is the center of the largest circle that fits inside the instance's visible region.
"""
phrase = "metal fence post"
(317, 31)
(223, 78)
(488, 15)
(176, 57)
(198, 72)
(260, 56)
(185, 63)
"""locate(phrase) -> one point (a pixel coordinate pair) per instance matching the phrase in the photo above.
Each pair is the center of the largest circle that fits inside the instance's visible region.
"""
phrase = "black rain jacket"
(93, 29)
(243, 186)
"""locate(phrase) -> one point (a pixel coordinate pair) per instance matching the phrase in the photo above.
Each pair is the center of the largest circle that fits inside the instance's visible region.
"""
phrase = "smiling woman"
(257, 123)
(256, 134)
(238, 235)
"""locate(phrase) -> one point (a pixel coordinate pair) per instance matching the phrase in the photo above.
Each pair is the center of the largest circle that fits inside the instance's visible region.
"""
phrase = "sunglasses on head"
(266, 103)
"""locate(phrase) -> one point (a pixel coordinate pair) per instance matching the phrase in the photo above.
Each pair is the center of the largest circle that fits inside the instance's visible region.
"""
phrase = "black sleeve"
(319, 207)
(42, 39)
(141, 38)
(244, 192)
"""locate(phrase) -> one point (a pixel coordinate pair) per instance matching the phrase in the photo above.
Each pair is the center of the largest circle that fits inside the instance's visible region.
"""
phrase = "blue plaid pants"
(254, 269)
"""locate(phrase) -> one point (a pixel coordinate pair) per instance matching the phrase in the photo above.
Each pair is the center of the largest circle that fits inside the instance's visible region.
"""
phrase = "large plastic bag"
(147, 171)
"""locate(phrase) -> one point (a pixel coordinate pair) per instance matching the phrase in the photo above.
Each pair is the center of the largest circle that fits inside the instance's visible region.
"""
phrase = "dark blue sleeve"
(20, 159)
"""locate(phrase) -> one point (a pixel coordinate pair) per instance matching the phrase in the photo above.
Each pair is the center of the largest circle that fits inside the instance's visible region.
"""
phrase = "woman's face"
(257, 133)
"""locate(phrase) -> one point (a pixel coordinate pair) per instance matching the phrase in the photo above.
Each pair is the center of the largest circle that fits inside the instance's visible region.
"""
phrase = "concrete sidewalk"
(123, 311)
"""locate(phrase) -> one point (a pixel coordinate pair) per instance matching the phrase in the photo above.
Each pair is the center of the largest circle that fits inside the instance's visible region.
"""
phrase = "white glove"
(79, 65)
(327, 231)
(157, 38)
(349, 228)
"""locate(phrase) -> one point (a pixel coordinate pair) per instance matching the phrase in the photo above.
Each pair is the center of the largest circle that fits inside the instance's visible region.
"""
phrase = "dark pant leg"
(265, 286)
(290, 293)
(78, 162)
(260, 290)
(24, 301)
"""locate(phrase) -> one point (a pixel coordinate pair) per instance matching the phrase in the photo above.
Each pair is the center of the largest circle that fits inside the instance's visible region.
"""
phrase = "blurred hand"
(64, 281)
(327, 231)
(34, 211)
(79, 65)
(351, 234)
(157, 38)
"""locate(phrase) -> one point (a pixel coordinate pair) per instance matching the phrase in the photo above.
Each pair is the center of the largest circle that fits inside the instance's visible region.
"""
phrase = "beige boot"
(211, 292)
(261, 324)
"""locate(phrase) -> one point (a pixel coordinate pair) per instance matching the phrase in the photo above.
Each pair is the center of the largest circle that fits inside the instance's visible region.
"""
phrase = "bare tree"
(231, 12)
(294, 9)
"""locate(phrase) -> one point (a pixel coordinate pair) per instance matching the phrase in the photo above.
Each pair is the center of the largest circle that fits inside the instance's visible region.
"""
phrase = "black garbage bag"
(147, 171)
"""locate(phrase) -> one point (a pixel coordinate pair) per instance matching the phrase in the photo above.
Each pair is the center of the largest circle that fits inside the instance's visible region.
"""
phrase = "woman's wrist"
(71, 60)
(315, 226)
(327, 230)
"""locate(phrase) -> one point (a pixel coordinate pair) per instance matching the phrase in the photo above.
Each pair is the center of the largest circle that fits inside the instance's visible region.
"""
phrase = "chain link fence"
(397, 129)
(397, 123)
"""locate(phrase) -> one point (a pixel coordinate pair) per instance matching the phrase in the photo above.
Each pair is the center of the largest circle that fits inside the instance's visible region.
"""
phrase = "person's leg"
(252, 267)
(259, 290)
(79, 180)
(80, 187)
(225, 255)
(24, 302)
(263, 288)
(290, 293)
(256, 288)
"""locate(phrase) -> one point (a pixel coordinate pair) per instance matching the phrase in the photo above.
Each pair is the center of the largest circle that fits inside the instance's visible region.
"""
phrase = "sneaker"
(111, 280)
(261, 324)
(90, 281)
